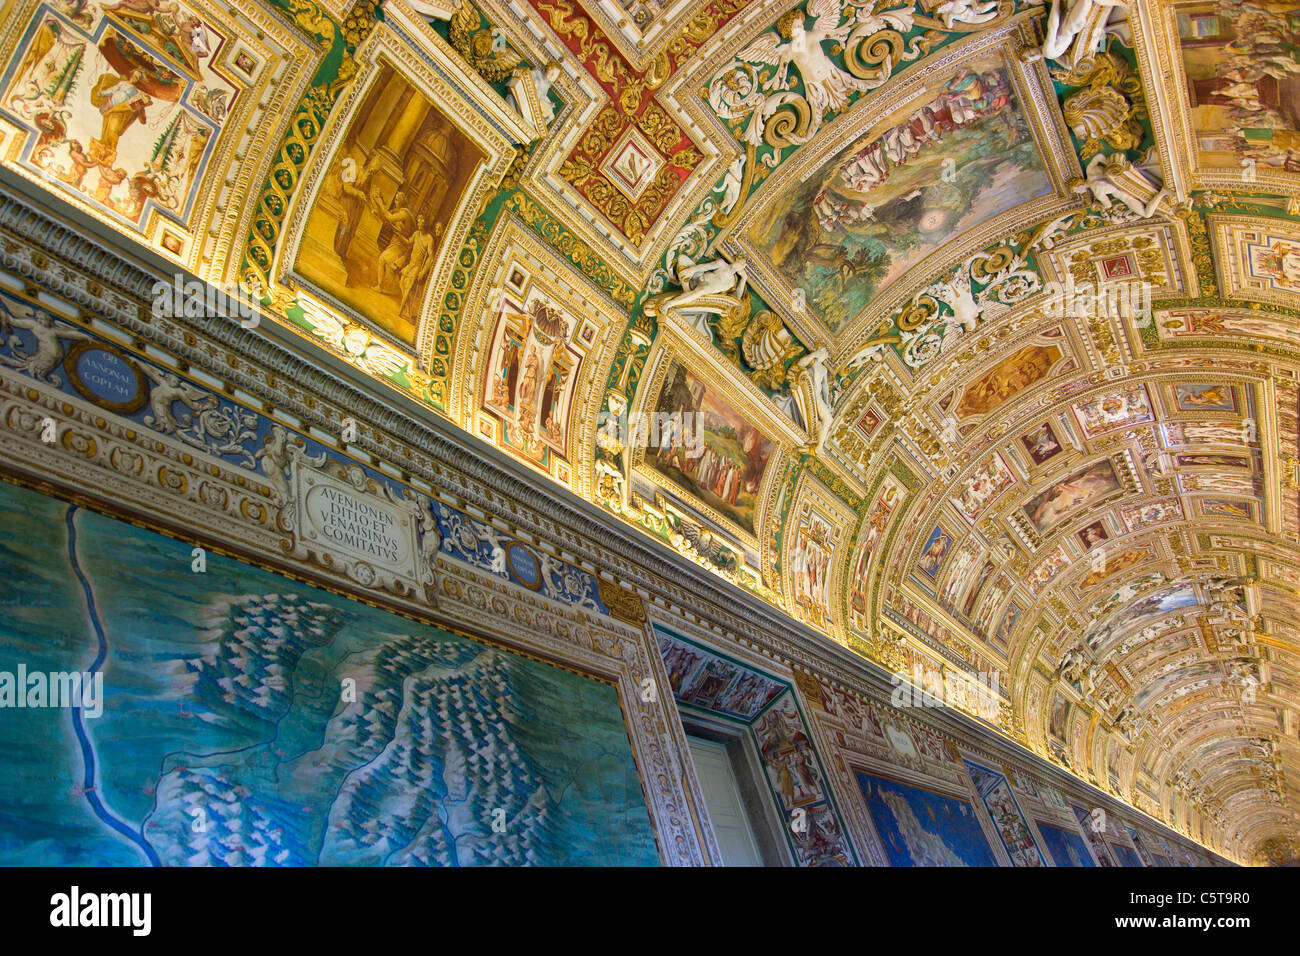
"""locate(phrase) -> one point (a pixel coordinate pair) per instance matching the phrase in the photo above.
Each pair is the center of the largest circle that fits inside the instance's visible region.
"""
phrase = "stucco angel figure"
(1072, 664)
(700, 279)
(1062, 32)
(826, 86)
(966, 11)
(815, 367)
(1102, 173)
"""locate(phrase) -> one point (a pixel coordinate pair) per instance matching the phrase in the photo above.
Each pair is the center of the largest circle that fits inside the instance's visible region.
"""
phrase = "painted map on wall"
(1126, 854)
(227, 736)
(924, 828)
(1066, 846)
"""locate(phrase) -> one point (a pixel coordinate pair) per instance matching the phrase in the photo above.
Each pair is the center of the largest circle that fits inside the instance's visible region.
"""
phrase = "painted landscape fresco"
(927, 173)
(124, 101)
(728, 472)
(227, 736)
(377, 226)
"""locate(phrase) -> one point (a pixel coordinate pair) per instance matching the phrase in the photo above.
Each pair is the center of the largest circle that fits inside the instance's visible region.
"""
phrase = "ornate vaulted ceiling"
(992, 338)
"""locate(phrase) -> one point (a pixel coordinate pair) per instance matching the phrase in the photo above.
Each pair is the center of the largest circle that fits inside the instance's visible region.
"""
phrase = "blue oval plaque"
(524, 565)
(106, 376)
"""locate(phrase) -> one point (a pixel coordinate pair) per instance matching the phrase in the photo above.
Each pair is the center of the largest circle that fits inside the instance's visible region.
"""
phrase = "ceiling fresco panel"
(158, 119)
(953, 149)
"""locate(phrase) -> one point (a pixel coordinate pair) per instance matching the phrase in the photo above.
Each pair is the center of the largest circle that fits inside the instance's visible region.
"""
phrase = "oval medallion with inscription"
(106, 376)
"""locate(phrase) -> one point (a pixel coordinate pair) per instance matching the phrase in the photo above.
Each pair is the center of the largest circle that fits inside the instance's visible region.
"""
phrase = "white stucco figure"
(826, 86)
(966, 11)
(814, 368)
(1063, 30)
(1102, 184)
(700, 279)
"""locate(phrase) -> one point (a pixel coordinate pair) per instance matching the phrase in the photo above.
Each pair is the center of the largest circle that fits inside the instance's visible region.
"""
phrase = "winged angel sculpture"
(742, 90)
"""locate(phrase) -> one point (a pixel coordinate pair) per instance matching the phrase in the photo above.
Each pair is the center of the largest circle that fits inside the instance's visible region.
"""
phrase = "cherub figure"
(167, 390)
(826, 86)
(966, 11)
(45, 358)
(543, 80)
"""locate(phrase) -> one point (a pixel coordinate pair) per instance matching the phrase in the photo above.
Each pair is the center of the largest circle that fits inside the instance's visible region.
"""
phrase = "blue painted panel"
(229, 736)
(923, 828)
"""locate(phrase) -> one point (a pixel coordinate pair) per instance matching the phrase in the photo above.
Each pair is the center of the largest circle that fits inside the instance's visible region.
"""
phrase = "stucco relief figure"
(167, 390)
(1103, 183)
(952, 12)
(826, 86)
(41, 362)
(430, 534)
(700, 279)
(1062, 32)
(815, 370)
(543, 80)
(712, 287)
(732, 181)
(956, 292)
(275, 456)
